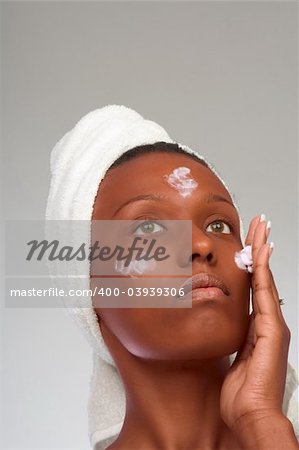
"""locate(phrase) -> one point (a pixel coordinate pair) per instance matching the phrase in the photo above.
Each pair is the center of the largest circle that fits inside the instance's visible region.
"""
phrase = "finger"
(273, 286)
(259, 239)
(276, 297)
(262, 285)
(249, 241)
(254, 222)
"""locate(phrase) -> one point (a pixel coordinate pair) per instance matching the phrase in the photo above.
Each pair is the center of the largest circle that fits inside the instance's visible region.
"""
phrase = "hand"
(254, 386)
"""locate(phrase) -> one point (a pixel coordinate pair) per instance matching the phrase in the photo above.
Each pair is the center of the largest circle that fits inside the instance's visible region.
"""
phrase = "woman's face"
(208, 329)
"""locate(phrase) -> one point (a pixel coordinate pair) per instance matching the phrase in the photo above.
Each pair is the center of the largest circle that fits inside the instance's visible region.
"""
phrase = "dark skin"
(181, 392)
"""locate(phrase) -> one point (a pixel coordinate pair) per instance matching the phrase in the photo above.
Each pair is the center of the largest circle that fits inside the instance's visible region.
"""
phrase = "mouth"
(204, 286)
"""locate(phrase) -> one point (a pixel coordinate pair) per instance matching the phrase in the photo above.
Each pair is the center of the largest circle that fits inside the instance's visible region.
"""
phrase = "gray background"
(218, 76)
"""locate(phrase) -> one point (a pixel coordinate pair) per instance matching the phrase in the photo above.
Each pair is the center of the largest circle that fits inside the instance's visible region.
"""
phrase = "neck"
(173, 404)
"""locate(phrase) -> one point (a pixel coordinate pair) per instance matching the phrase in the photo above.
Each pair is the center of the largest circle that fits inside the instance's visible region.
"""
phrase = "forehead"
(145, 174)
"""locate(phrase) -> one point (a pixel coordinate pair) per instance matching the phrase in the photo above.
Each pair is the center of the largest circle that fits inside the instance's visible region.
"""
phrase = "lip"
(205, 285)
(201, 295)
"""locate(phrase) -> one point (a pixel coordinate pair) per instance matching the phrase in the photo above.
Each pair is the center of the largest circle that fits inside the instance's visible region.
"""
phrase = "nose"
(199, 250)
(202, 246)
(202, 249)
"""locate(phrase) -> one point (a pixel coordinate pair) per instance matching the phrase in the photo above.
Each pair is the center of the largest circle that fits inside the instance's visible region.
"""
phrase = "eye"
(220, 226)
(148, 227)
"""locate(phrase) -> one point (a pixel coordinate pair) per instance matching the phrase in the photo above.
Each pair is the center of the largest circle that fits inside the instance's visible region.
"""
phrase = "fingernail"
(268, 227)
(263, 218)
(271, 247)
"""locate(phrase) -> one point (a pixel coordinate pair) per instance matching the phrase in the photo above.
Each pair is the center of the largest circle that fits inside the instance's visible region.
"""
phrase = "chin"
(218, 342)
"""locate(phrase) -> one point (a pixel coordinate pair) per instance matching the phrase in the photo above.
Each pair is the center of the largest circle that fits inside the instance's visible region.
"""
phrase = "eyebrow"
(208, 198)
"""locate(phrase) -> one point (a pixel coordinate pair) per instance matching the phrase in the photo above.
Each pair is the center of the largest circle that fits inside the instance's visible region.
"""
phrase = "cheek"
(169, 333)
(237, 321)
(211, 331)
(237, 275)
(243, 259)
(240, 298)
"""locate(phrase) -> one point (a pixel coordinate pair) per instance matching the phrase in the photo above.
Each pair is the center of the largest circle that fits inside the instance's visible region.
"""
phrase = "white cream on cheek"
(243, 259)
(135, 267)
(181, 180)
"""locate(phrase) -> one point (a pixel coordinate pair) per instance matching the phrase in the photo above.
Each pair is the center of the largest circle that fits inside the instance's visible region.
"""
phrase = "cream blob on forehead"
(181, 180)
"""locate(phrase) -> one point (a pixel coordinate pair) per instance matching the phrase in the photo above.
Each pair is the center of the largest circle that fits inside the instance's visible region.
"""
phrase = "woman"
(181, 391)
